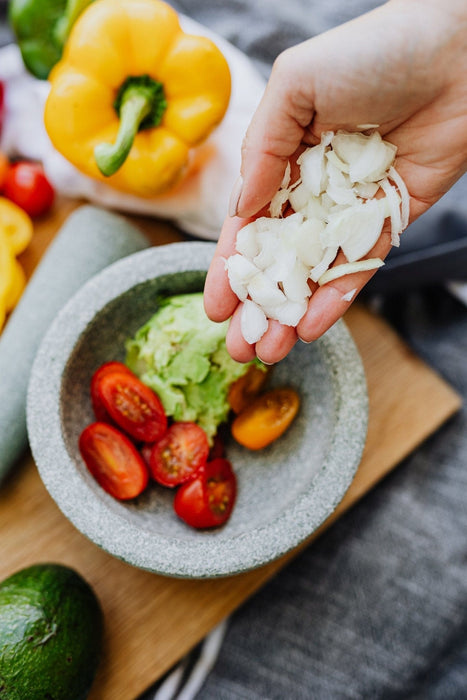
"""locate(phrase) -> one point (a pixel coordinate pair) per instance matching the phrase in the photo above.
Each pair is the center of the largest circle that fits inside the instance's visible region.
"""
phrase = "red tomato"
(99, 410)
(133, 406)
(113, 461)
(4, 166)
(27, 186)
(179, 455)
(145, 451)
(217, 447)
(208, 499)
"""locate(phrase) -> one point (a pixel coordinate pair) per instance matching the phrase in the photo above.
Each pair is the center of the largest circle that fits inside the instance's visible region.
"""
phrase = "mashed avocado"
(182, 356)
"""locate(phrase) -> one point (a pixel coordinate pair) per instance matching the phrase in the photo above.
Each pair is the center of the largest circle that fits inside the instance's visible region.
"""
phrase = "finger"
(274, 134)
(219, 299)
(237, 346)
(276, 343)
(330, 302)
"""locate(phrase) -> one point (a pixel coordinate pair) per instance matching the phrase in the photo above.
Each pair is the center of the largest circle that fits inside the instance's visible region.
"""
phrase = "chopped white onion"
(335, 208)
(392, 199)
(299, 197)
(348, 296)
(362, 228)
(335, 160)
(286, 179)
(349, 268)
(307, 242)
(349, 147)
(295, 282)
(312, 169)
(404, 193)
(246, 242)
(365, 127)
(264, 291)
(240, 270)
(366, 190)
(328, 257)
(375, 158)
(253, 322)
(290, 313)
(278, 201)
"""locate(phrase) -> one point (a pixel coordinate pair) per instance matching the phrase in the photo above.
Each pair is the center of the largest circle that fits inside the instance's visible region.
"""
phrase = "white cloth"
(199, 205)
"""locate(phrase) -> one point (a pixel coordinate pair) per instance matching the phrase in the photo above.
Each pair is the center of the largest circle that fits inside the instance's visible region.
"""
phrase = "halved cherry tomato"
(145, 451)
(266, 419)
(113, 461)
(132, 405)
(27, 186)
(99, 411)
(246, 388)
(4, 165)
(208, 499)
(217, 448)
(179, 455)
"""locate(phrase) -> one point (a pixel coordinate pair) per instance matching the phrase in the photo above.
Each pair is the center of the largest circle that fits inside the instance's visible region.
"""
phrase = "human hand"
(375, 69)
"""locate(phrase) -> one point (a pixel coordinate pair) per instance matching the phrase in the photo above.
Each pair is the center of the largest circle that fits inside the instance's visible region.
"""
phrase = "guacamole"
(182, 356)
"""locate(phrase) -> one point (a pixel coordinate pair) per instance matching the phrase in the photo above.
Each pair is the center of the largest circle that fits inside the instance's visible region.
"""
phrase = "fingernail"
(264, 362)
(235, 196)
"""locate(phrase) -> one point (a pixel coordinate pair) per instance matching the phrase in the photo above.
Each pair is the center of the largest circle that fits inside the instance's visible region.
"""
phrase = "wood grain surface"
(151, 621)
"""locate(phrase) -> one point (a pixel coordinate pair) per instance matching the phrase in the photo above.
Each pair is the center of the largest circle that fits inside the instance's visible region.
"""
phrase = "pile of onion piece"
(334, 207)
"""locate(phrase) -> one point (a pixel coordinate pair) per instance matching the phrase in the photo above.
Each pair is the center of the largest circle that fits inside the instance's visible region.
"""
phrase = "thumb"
(274, 134)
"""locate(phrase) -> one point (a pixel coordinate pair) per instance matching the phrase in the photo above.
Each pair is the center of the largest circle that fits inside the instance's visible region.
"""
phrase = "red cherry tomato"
(217, 447)
(27, 186)
(99, 411)
(113, 461)
(145, 451)
(4, 167)
(208, 499)
(133, 406)
(179, 455)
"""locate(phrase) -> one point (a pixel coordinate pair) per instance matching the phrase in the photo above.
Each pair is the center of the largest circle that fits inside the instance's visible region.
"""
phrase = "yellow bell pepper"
(15, 234)
(16, 224)
(133, 93)
(6, 274)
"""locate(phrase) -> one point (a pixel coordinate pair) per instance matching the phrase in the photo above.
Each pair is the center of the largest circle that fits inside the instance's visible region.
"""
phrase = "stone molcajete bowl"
(285, 491)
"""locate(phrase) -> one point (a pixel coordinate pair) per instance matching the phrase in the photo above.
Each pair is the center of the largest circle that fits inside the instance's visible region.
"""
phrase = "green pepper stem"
(140, 104)
(63, 26)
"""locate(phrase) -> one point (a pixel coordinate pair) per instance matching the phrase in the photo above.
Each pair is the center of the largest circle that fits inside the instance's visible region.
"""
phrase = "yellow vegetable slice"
(16, 224)
(17, 285)
(6, 273)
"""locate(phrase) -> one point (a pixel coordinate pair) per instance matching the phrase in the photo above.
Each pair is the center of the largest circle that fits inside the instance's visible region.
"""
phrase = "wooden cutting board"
(152, 621)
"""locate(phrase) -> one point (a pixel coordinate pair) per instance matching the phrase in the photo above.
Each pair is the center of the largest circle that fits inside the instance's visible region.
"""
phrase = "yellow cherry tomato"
(266, 418)
(246, 388)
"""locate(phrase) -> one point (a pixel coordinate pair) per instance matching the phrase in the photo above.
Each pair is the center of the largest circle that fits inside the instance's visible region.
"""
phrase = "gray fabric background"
(377, 607)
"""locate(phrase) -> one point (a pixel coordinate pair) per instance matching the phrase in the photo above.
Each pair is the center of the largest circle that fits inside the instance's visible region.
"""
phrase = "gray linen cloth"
(377, 607)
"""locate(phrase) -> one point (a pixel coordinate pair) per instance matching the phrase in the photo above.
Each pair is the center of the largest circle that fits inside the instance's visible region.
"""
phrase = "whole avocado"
(51, 627)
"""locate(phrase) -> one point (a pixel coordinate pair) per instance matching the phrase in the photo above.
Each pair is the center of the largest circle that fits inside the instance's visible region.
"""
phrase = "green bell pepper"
(41, 28)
